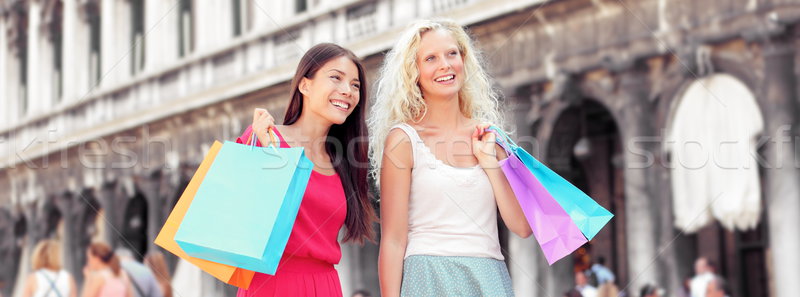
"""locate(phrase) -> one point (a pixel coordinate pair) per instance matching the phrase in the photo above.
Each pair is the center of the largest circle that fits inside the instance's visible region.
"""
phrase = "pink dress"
(306, 268)
(113, 286)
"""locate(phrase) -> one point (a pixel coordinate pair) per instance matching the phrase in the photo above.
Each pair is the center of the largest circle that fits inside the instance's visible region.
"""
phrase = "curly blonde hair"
(399, 98)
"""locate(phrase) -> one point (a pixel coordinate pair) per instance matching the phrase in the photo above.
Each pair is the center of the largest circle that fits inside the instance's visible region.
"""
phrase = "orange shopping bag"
(231, 275)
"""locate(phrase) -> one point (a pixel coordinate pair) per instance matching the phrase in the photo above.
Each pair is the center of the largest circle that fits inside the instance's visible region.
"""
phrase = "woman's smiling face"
(440, 65)
(333, 91)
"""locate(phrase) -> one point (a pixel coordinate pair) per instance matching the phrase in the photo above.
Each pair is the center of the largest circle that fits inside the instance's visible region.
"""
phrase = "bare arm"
(489, 154)
(395, 188)
(30, 286)
(73, 288)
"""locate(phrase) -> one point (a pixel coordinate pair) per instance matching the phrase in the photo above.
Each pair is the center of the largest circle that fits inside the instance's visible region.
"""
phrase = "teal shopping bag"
(582, 209)
(246, 206)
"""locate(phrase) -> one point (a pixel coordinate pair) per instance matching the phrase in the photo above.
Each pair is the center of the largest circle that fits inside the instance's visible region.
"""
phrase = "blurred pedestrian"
(608, 290)
(103, 275)
(651, 291)
(704, 273)
(48, 279)
(601, 272)
(685, 289)
(573, 293)
(583, 286)
(157, 264)
(142, 279)
(362, 293)
(185, 280)
(718, 287)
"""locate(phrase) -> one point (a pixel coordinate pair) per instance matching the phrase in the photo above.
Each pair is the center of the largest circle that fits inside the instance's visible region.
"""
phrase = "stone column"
(161, 21)
(67, 203)
(108, 37)
(383, 16)
(403, 11)
(782, 188)
(523, 259)
(154, 42)
(111, 198)
(204, 35)
(69, 52)
(33, 77)
(641, 206)
(5, 99)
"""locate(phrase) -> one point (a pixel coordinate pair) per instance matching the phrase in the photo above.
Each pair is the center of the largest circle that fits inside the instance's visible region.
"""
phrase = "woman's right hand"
(262, 122)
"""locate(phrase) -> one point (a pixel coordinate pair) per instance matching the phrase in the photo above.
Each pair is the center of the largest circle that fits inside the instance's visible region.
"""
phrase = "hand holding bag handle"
(503, 140)
(273, 139)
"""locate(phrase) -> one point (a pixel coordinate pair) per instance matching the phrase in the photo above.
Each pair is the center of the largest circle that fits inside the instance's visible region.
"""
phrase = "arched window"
(93, 20)
(185, 28)
(242, 16)
(712, 137)
(20, 40)
(137, 36)
(55, 28)
(712, 141)
(585, 147)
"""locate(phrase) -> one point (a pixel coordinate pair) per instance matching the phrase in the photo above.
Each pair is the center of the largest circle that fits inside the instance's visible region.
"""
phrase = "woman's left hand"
(484, 146)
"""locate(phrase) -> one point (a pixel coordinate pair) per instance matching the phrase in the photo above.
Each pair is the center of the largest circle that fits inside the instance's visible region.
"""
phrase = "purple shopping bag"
(557, 234)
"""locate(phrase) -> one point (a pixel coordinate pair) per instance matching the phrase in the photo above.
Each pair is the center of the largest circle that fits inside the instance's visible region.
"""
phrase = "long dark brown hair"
(352, 134)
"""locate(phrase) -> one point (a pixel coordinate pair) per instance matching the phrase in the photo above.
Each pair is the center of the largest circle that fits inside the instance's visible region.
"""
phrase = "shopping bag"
(244, 211)
(554, 230)
(584, 211)
(231, 275)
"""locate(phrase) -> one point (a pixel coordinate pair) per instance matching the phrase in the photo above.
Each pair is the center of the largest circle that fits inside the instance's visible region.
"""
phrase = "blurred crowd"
(106, 273)
(117, 273)
(599, 281)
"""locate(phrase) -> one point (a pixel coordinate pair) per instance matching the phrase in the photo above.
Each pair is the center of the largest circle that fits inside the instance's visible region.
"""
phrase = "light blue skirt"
(455, 276)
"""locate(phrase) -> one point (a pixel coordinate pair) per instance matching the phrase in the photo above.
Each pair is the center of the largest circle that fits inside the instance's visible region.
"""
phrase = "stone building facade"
(110, 105)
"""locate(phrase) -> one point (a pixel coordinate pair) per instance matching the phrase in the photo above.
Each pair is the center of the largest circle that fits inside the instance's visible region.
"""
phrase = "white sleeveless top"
(60, 280)
(451, 210)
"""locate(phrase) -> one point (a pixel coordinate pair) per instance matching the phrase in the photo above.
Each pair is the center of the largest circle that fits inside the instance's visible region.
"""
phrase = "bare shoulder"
(397, 137)
(398, 151)
(31, 281)
(282, 129)
(286, 132)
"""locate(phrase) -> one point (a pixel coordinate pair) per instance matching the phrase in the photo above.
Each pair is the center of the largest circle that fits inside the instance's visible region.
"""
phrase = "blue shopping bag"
(582, 209)
(246, 206)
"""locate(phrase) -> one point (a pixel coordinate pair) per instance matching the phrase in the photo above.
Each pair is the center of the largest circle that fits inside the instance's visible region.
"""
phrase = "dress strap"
(416, 141)
(52, 283)
(412, 133)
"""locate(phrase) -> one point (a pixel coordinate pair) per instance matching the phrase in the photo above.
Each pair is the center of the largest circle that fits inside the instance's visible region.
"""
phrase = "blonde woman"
(440, 181)
(48, 279)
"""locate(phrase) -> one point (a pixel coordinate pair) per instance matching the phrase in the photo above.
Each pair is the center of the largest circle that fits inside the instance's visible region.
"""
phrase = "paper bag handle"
(272, 138)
